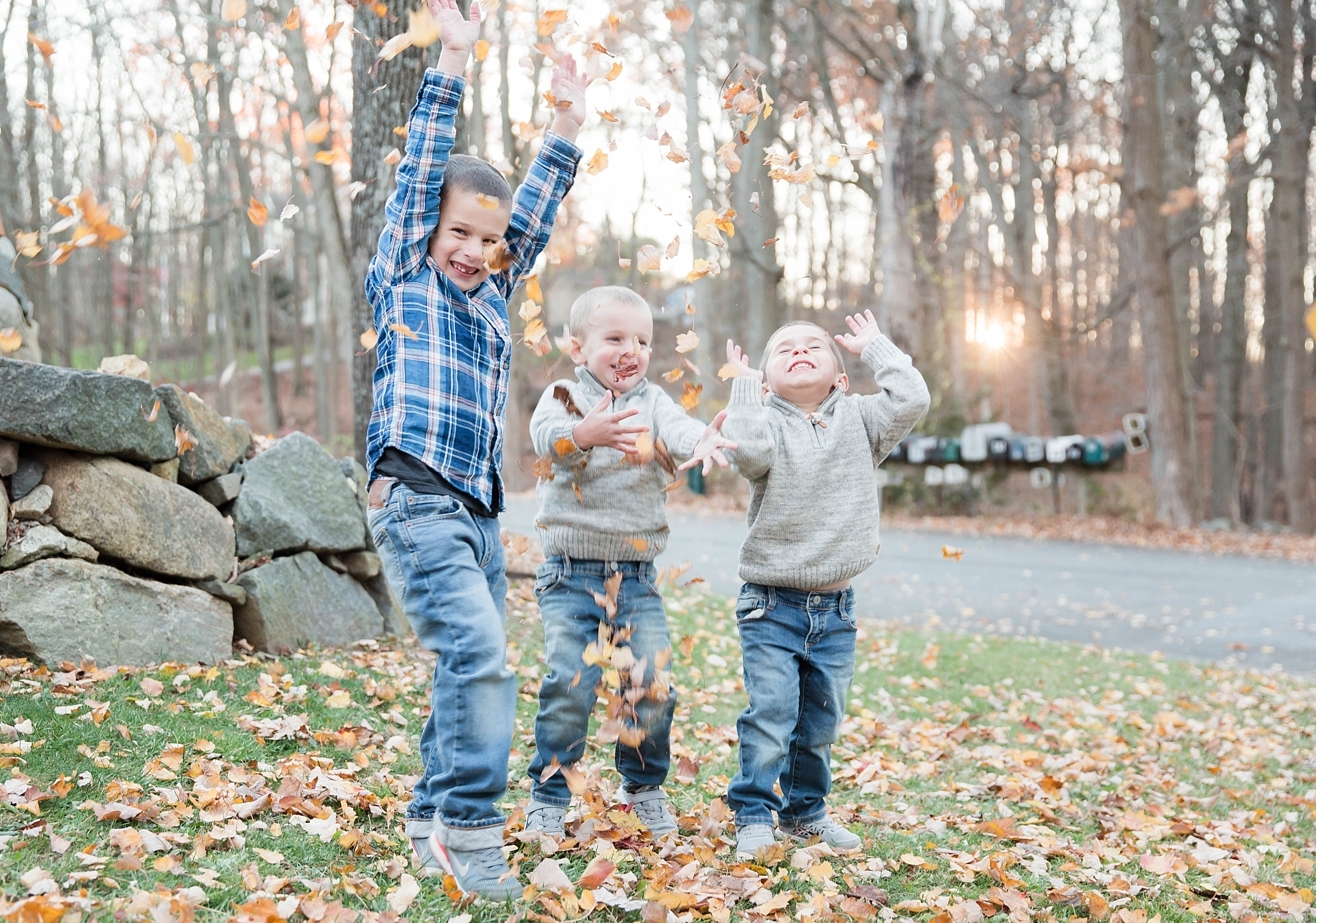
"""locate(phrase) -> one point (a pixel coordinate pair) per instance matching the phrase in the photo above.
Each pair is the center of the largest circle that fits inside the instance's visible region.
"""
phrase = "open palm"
(457, 32)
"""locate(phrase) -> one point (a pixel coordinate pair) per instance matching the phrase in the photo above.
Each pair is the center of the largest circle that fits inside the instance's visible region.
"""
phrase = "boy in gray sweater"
(810, 451)
(610, 436)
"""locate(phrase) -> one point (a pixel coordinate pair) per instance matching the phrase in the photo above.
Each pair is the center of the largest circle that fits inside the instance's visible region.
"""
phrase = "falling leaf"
(43, 46)
(529, 310)
(293, 20)
(599, 160)
(548, 21)
(403, 330)
(649, 258)
(393, 157)
(289, 211)
(614, 71)
(955, 553)
(267, 255)
(680, 18)
(332, 31)
(482, 50)
(687, 341)
(34, 104)
(674, 374)
(184, 147)
(10, 340)
(315, 132)
(769, 243)
(564, 446)
(227, 375)
(607, 116)
(729, 371)
(155, 412)
(368, 339)
(487, 201)
(728, 153)
(256, 212)
(183, 440)
(232, 10)
(1179, 200)
(691, 396)
(498, 257)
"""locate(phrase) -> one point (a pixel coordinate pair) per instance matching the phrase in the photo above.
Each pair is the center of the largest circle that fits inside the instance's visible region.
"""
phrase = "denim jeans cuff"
(786, 821)
(543, 798)
(470, 837)
(418, 827)
(739, 821)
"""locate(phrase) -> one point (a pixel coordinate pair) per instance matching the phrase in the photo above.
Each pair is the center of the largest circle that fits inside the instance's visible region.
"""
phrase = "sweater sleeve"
(901, 401)
(551, 430)
(679, 431)
(747, 425)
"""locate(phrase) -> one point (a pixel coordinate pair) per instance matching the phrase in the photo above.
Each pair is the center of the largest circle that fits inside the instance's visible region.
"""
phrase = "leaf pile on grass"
(991, 777)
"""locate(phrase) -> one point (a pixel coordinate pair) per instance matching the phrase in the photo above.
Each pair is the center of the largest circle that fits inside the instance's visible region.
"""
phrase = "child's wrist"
(565, 127)
(453, 61)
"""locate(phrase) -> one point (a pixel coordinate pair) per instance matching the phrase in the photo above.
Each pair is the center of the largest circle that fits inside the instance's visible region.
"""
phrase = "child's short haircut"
(833, 344)
(593, 299)
(465, 173)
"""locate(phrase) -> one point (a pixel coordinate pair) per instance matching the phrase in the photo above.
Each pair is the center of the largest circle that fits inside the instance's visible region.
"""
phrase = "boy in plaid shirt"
(436, 435)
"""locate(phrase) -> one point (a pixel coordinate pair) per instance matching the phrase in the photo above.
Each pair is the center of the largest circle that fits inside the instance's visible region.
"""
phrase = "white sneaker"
(651, 808)
(752, 838)
(827, 830)
(545, 818)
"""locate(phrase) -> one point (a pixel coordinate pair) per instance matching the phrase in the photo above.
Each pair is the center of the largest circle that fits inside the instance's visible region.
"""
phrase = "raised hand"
(602, 428)
(568, 85)
(864, 329)
(458, 34)
(741, 362)
(710, 447)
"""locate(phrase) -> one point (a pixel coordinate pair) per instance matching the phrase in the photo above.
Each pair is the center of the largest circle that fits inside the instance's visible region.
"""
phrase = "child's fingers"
(474, 16)
(603, 405)
(719, 419)
(624, 414)
(870, 318)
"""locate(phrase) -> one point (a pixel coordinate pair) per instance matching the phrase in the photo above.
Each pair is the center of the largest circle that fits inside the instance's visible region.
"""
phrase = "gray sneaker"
(419, 831)
(651, 806)
(481, 872)
(827, 830)
(545, 818)
(752, 838)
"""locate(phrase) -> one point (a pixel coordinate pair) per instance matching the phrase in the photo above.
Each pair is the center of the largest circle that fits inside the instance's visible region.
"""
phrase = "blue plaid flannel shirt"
(441, 396)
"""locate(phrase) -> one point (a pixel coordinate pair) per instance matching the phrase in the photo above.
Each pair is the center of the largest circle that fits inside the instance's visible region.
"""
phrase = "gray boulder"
(57, 610)
(295, 497)
(220, 442)
(86, 411)
(26, 476)
(298, 600)
(41, 542)
(8, 457)
(34, 504)
(130, 514)
(219, 491)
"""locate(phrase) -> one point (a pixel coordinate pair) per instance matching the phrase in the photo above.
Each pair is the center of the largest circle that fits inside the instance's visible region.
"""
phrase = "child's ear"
(575, 351)
(841, 383)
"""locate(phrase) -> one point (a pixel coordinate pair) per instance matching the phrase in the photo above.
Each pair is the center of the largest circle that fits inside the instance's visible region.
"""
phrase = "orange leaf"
(333, 31)
(233, 10)
(549, 20)
(183, 440)
(293, 20)
(681, 18)
(482, 50)
(691, 395)
(614, 71)
(10, 340)
(43, 46)
(315, 132)
(403, 330)
(257, 212)
(599, 160)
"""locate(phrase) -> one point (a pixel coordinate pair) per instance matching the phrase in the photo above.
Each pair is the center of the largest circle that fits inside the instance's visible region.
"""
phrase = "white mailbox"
(1055, 450)
(976, 437)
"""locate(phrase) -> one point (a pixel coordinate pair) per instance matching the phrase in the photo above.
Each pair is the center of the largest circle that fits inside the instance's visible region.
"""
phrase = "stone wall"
(141, 526)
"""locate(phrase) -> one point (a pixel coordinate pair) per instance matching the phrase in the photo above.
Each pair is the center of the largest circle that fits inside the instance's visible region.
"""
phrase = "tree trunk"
(382, 99)
(1174, 463)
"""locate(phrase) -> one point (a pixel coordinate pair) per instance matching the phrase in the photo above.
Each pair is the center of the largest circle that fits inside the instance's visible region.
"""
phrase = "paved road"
(1248, 611)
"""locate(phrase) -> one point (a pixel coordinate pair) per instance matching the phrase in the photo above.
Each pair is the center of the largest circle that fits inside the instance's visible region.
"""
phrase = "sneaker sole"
(441, 854)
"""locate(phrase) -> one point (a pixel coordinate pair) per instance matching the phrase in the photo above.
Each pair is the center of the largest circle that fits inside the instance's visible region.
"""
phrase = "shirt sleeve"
(413, 209)
(551, 430)
(901, 401)
(535, 205)
(679, 431)
(747, 424)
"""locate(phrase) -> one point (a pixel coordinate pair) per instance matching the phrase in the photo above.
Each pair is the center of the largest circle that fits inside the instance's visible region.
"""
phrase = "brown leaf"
(596, 873)
(183, 440)
(691, 396)
(564, 397)
(564, 446)
(257, 212)
(498, 257)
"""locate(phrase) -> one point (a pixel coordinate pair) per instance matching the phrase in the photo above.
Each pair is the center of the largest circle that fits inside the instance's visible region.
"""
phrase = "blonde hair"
(593, 299)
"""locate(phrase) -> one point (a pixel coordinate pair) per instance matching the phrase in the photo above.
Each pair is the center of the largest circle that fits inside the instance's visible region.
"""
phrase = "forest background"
(1063, 211)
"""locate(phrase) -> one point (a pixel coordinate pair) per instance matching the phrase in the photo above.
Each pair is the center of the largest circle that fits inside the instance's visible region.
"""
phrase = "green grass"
(977, 769)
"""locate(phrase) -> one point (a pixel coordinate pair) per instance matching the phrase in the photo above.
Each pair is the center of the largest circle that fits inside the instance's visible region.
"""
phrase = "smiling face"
(801, 367)
(467, 226)
(614, 345)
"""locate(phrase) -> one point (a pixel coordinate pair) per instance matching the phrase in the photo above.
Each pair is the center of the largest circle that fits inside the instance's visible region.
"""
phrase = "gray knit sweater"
(619, 513)
(814, 513)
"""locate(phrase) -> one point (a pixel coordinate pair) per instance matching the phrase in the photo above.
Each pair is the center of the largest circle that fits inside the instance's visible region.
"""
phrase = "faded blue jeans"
(447, 567)
(798, 650)
(572, 620)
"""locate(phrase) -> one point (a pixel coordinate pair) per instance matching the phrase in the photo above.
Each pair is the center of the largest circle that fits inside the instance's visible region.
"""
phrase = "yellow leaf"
(528, 310)
(639, 543)
(257, 212)
(293, 20)
(315, 132)
(340, 699)
(184, 147)
(729, 370)
(333, 31)
(328, 158)
(955, 553)
(603, 113)
(614, 71)
(691, 395)
(674, 374)
(599, 160)
(403, 330)
(368, 339)
(391, 49)
(649, 258)
(680, 17)
(687, 341)
(233, 10)
(422, 27)
(549, 20)
(533, 288)
(10, 340)
(43, 46)
(482, 50)
(393, 157)
(27, 242)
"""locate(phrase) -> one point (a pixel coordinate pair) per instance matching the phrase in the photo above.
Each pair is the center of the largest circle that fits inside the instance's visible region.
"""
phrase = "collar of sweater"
(596, 388)
(826, 406)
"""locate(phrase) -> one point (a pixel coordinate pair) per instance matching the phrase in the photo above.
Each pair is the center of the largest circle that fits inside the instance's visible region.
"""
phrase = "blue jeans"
(447, 567)
(798, 649)
(639, 707)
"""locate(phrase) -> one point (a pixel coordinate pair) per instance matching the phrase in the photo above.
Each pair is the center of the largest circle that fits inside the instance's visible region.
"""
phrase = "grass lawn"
(989, 776)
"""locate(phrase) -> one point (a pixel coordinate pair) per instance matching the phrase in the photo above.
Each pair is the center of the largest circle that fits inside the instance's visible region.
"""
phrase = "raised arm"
(550, 176)
(566, 436)
(903, 397)
(413, 209)
(747, 423)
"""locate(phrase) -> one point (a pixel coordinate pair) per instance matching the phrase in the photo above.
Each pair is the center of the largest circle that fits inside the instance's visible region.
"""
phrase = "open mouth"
(463, 271)
(800, 364)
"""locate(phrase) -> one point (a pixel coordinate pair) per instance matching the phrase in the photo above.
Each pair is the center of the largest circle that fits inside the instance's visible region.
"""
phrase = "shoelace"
(490, 859)
(649, 810)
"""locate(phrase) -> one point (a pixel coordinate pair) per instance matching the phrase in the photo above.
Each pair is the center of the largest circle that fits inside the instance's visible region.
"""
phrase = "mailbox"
(921, 449)
(950, 449)
(976, 440)
(1100, 450)
(1056, 449)
(954, 474)
(1032, 450)
(899, 452)
(999, 448)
